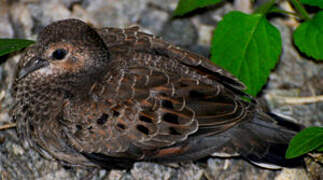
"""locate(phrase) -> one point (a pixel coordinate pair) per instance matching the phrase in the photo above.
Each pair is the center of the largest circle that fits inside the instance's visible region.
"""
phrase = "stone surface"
(294, 76)
(6, 30)
(291, 174)
(180, 32)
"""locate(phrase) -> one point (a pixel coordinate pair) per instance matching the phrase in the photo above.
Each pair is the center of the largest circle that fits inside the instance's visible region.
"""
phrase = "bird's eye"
(59, 54)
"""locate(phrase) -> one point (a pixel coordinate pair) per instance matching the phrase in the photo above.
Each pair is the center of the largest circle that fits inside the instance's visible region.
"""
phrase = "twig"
(7, 126)
(300, 100)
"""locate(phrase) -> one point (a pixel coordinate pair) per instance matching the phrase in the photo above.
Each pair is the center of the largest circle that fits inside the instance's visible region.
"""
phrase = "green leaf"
(320, 149)
(308, 37)
(248, 46)
(318, 3)
(11, 45)
(185, 6)
(307, 140)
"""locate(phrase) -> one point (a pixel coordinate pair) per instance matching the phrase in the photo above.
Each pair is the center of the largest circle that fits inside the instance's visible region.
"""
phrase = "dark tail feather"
(274, 159)
(270, 135)
(281, 121)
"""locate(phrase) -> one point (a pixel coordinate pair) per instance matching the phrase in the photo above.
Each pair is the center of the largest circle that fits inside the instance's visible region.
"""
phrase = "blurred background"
(294, 77)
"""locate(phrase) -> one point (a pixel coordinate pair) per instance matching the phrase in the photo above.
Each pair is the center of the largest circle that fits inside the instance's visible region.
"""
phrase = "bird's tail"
(264, 140)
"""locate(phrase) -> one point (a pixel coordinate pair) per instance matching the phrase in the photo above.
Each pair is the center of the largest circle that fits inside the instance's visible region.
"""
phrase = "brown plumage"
(111, 97)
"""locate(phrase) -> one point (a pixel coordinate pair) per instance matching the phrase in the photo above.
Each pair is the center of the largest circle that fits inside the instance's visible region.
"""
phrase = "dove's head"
(65, 49)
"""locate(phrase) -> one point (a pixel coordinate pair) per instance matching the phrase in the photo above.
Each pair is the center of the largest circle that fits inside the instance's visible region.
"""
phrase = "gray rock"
(147, 171)
(21, 20)
(180, 32)
(153, 20)
(6, 30)
(117, 14)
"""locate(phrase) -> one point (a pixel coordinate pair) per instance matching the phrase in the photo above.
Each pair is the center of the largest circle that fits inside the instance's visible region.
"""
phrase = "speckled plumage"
(111, 97)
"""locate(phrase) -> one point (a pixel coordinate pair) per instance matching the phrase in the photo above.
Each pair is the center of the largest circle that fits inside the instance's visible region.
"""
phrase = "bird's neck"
(71, 86)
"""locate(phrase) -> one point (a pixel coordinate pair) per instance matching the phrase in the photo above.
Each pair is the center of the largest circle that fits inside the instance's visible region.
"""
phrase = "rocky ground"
(293, 77)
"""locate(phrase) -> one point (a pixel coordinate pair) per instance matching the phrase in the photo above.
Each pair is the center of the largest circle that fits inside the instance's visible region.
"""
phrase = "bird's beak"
(31, 66)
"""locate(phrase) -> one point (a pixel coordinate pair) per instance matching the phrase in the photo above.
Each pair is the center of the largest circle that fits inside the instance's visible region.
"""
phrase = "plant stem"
(265, 8)
(283, 12)
(300, 9)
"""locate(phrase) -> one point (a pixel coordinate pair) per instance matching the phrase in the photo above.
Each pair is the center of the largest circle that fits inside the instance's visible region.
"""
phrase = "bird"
(110, 97)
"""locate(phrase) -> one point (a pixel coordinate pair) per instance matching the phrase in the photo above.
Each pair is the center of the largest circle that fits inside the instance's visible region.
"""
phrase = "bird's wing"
(140, 110)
